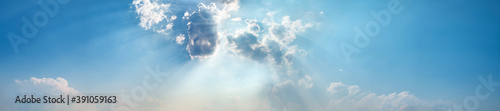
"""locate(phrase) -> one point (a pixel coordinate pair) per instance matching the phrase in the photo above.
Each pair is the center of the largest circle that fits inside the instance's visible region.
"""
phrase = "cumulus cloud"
(367, 101)
(201, 34)
(247, 44)
(186, 15)
(236, 19)
(252, 26)
(229, 6)
(154, 15)
(284, 33)
(202, 27)
(46, 85)
(336, 87)
(273, 45)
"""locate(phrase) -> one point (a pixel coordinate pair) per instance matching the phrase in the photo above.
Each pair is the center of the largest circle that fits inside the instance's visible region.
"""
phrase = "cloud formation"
(306, 82)
(46, 85)
(350, 98)
(154, 15)
(336, 87)
(202, 31)
(248, 45)
(271, 43)
(201, 34)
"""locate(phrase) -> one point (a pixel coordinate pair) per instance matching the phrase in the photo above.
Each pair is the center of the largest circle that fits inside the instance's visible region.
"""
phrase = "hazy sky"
(383, 55)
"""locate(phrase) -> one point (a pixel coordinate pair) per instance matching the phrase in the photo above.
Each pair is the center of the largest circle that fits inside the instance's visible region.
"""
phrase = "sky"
(266, 55)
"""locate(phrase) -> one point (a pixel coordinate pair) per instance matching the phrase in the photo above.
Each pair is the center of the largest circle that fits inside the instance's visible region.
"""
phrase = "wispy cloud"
(46, 85)
(154, 15)
(50, 87)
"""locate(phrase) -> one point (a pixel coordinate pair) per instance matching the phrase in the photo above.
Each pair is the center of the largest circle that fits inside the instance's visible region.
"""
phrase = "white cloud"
(46, 85)
(236, 19)
(152, 13)
(306, 82)
(252, 26)
(201, 32)
(248, 45)
(284, 33)
(267, 42)
(367, 101)
(272, 45)
(180, 39)
(336, 87)
(186, 15)
(259, 42)
(229, 6)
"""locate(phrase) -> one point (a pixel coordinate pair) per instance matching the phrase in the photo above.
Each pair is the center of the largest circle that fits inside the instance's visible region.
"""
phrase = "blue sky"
(260, 55)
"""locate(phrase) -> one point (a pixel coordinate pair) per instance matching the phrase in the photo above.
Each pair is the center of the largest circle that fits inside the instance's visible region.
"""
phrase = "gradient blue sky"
(434, 49)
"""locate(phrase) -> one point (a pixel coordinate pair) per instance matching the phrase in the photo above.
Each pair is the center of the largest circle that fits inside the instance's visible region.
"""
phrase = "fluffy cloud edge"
(152, 12)
(47, 85)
